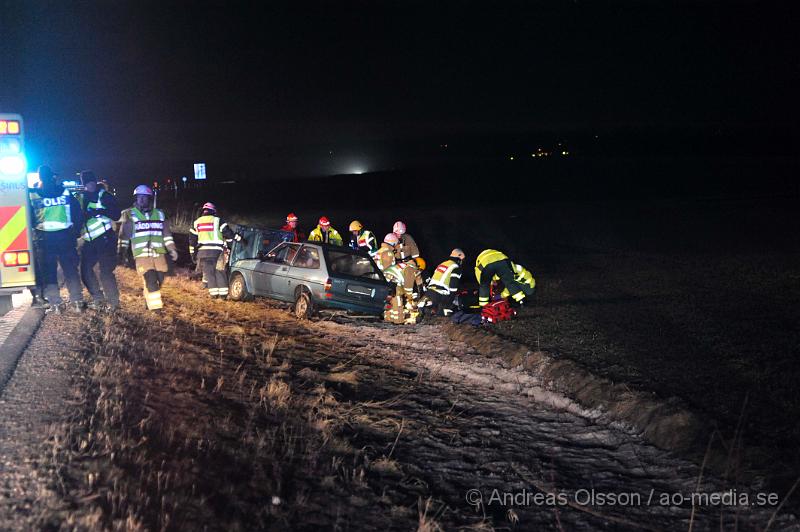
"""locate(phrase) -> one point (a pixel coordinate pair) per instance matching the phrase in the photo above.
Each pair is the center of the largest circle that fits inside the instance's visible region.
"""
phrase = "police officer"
(208, 236)
(493, 265)
(146, 231)
(99, 243)
(57, 219)
(443, 284)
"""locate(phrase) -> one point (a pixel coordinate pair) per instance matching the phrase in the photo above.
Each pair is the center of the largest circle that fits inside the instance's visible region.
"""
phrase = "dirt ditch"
(224, 415)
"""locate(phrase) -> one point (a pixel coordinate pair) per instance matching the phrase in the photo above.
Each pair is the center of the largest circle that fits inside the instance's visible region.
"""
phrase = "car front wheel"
(237, 290)
(303, 305)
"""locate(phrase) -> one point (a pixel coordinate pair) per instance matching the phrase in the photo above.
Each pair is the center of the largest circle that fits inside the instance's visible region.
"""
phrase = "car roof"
(334, 247)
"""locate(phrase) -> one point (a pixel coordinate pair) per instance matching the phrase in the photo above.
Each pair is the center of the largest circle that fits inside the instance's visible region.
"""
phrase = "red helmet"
(324, 222)
(291, 217)
(208, 206)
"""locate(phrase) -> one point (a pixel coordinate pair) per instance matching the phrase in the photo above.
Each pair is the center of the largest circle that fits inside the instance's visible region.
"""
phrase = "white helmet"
(391, 239)
(143, 189)
(399, 228)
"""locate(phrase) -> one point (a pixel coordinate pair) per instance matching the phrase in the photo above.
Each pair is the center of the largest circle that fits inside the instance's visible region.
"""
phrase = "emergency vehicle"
(16, 249)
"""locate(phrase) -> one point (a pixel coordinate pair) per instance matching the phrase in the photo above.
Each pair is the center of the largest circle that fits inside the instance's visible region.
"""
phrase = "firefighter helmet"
(420, 263)
(208, 206)
(391, 239)
(324, 222)
(458, 254)
(291, 217)
(399, 228)
(355, 225)
(144, 190)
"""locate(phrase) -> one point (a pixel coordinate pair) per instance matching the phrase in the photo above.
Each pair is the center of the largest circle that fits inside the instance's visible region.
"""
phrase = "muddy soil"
(225, 415)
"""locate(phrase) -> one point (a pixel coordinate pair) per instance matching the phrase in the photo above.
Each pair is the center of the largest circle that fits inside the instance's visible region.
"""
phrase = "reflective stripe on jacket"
(148, 239)
(446, 277)
(96, 226)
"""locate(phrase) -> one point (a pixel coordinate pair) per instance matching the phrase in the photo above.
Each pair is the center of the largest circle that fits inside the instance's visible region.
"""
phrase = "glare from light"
(12, 164)
(357, 171)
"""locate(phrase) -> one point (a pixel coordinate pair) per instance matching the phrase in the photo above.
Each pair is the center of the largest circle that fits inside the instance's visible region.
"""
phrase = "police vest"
(209, 232)
(99, 224)
(148, 233)
(52, 214)
(440, 280)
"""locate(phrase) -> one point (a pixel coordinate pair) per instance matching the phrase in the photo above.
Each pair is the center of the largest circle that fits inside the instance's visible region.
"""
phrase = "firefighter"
(206, 244)
(58, 218)
(99, 243)
(443, 284)
(361, 238)
(492, 265)
(384, 257)
(325, 233)
(407, 249)
(146, 231)
(291, 227)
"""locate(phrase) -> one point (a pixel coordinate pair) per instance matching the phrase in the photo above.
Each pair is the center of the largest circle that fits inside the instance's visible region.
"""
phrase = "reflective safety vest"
(148, 233)
(366, 240)
(394, 273)
(332, 237)
(97, 225)
(487, 257)
(209, 232)
(52, 214)
(442, 276)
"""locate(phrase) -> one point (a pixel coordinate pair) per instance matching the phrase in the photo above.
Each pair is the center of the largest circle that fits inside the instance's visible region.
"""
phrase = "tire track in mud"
(468, 423)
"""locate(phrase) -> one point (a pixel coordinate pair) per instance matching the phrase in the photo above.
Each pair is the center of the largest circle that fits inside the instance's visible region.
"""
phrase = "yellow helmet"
(355, 225)
(420, 263)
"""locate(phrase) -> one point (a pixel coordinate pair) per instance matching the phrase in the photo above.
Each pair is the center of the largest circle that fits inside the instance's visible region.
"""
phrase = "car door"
(306, 270)
(270, 273)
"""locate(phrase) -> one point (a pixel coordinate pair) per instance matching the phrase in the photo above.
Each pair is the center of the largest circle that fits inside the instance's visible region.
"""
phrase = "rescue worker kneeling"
(493, 265)
(443, 285)
(146, 230)
(207, 239)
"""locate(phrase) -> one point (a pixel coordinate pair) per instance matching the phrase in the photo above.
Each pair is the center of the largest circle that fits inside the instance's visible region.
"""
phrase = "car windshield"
(351, 264)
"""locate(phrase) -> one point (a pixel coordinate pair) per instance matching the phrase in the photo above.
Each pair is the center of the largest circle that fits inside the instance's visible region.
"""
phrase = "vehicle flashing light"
(9, 127)
(12, 164)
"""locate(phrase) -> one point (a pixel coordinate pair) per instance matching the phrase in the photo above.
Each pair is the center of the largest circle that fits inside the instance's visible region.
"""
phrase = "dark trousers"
(102, 252)
(58, 247)
(505, 271)
(216, 280)
(441, 304)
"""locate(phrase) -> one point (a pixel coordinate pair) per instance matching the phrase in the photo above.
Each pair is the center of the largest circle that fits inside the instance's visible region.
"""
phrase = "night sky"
(135, 88)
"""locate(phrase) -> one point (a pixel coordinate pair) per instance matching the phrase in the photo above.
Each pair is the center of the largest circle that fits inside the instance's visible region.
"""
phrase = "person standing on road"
(146, 231)
(99, 243)
(207, 240)
(492, 265)
(443, 284)
(361, 238)
(57, 219)
(325, 233)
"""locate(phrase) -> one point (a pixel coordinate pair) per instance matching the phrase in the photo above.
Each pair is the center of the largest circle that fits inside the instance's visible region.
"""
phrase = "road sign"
(199, 171)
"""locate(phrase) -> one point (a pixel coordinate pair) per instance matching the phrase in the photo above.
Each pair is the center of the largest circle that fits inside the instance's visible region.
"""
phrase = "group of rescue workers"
(62, 217)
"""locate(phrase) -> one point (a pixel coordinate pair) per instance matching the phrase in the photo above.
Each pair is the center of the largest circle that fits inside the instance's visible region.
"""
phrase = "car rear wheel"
(303, 305)
(237, 290)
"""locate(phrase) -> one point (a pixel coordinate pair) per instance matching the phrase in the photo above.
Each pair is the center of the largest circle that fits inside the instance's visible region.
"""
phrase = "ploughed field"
(225, 415)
